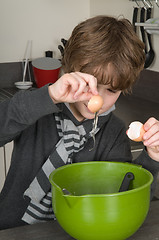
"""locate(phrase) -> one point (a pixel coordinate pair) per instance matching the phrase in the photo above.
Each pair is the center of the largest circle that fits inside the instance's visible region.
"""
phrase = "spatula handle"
(129, 176)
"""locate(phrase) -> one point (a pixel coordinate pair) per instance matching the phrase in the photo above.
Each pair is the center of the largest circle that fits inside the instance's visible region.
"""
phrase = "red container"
(46, 70)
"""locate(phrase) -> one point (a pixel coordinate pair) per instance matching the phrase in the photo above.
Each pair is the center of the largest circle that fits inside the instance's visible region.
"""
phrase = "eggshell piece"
(136, 131)
(95, 103)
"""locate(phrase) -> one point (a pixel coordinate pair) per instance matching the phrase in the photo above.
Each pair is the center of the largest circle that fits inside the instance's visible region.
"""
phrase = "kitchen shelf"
(152, 28)
(148, 25)
(146, 3)
(141, 0)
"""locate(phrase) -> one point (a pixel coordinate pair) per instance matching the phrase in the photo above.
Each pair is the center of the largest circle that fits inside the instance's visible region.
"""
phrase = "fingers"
(73, 87)
(71, 82)
(151, 137)
(149, 123)
(86, 84)
(90, 80)
(80, 84)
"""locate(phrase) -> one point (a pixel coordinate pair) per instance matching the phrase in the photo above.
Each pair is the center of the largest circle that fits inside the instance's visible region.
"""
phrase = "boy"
(52, 126)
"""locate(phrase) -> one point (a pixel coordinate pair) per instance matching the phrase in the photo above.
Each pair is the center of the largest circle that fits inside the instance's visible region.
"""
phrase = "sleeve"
(151, 165)
(23, 110)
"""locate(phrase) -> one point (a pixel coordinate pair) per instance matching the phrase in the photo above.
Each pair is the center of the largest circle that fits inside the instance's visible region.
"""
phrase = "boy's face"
(81, 111)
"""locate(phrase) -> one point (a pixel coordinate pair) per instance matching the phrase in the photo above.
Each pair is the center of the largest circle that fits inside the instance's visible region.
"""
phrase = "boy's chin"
(90, 116)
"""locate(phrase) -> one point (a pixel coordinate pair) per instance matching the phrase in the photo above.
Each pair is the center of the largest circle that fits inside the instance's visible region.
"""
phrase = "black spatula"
(129, 176)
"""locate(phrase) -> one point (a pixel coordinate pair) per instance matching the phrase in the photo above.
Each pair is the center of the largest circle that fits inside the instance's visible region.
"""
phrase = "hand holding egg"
(148, 133)
(73, 87)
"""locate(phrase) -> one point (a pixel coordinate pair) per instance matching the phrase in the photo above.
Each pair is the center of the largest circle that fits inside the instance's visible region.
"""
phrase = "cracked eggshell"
(136, 131)
(95, 103)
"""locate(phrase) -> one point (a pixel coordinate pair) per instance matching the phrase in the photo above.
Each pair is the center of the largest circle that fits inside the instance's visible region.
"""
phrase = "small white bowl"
(23, 85)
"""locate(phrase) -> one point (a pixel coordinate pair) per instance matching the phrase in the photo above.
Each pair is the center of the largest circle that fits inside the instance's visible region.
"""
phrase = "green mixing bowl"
(91, 206)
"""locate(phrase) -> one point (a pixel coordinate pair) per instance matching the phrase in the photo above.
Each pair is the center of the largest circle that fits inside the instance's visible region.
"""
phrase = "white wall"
(44, 22)
(125, 8)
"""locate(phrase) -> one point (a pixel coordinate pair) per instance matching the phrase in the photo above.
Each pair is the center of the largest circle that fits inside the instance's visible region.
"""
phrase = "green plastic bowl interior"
(95, 209)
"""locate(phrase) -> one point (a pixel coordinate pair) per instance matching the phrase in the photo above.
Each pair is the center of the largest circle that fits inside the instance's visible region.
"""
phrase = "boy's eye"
(110, 90)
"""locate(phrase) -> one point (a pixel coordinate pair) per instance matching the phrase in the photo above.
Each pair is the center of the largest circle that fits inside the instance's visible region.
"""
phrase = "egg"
(136, 131)
(95, 103)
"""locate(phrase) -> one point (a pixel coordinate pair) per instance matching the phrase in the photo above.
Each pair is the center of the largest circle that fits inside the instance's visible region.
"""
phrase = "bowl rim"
(131, 191)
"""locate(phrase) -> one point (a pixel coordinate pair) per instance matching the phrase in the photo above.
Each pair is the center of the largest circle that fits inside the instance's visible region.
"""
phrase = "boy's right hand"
(73, 87)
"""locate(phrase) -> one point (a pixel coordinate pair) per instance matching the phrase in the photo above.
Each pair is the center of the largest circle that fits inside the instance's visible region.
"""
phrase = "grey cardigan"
(28, 119)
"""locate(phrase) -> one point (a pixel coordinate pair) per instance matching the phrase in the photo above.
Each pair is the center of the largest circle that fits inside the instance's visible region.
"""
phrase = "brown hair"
(104, 40)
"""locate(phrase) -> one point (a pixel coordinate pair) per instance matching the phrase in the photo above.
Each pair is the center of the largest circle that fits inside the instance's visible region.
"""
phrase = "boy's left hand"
(151, 138)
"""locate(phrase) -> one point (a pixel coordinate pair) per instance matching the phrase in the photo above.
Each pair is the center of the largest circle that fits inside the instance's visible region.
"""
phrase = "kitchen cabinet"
(2, 167)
